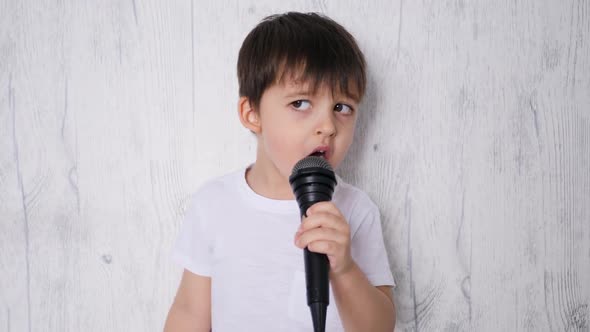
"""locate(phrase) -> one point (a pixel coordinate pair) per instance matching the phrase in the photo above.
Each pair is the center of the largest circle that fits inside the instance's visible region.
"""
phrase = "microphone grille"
(312, 161)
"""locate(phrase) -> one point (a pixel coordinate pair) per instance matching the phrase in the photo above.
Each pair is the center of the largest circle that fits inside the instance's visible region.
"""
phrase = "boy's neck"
(267, 183)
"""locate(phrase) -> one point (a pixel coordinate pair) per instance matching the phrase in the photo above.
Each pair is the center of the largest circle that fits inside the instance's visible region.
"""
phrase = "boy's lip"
(325, 148)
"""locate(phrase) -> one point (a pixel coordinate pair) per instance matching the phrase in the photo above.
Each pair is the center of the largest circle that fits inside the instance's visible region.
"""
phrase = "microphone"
(312, 181)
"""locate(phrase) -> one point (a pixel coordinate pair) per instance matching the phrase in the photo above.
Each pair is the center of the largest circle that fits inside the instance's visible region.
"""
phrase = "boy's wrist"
(346, 273)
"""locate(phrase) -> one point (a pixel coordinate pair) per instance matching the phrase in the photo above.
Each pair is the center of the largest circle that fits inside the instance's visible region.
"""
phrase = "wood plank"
(15, 293)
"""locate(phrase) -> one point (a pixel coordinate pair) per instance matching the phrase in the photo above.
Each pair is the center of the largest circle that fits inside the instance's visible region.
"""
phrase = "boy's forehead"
(300, 85)
(293, 78)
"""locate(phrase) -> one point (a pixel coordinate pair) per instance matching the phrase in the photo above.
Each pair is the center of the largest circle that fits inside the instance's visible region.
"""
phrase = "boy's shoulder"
(350, 190)
(353, 199)
(221, 185)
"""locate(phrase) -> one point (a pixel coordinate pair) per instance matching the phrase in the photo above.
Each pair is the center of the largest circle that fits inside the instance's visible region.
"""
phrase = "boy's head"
(304, 46)
(301, 78)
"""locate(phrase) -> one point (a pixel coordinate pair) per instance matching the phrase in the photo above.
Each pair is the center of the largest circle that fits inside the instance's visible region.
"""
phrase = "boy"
(301, 79)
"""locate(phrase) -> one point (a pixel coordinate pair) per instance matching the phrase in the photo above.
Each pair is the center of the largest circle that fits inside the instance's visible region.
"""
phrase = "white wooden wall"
(474, 142)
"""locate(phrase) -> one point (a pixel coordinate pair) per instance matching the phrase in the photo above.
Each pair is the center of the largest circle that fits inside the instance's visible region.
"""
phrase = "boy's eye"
(301, 105)
(343, 108)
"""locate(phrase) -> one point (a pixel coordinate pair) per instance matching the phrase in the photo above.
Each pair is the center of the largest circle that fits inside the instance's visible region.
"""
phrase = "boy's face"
(294, 123)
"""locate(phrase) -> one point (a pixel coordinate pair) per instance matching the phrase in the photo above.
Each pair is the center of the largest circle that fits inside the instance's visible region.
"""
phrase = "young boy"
(301, 79)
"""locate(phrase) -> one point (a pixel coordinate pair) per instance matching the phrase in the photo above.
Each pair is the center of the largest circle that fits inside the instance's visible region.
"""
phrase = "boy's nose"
(326, 126)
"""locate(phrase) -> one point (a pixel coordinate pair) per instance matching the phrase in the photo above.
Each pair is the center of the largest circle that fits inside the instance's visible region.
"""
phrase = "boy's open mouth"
(319, 154)
(322, 151)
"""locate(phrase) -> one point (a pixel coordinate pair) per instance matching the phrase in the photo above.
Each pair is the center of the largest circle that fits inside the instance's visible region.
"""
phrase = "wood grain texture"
(473, 139)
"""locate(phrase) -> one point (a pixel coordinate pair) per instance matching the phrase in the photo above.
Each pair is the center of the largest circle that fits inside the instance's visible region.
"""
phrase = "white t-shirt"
(244, 242)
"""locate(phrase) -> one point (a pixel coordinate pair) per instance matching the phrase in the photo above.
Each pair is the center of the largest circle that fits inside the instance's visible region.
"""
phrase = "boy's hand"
(326, 231)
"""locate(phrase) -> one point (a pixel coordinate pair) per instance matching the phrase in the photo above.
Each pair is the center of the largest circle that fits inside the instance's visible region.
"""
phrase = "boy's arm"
(191, 309)
(362, 306)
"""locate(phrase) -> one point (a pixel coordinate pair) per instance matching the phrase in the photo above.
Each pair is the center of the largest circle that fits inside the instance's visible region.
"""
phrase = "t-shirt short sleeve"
(192, 248)
(368, 249)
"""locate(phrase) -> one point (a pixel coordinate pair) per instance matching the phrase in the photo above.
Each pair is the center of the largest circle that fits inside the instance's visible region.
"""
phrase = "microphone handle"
(317, 269)
(317, 281)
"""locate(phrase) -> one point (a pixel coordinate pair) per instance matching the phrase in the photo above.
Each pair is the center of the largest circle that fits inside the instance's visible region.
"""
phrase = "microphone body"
(313, 181)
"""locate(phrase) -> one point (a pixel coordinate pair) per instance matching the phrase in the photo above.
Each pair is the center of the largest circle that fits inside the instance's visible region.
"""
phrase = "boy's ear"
(249, 117)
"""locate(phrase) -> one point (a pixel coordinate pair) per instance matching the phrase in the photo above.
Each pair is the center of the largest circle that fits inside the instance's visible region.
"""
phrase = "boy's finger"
(303, 240)
(322, 219)
(324, 247)
(328, 207)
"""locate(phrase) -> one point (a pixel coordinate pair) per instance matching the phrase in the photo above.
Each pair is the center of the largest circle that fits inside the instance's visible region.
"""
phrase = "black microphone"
(312, 181)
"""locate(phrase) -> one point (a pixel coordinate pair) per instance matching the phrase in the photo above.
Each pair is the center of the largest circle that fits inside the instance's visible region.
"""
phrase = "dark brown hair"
(309, 47)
